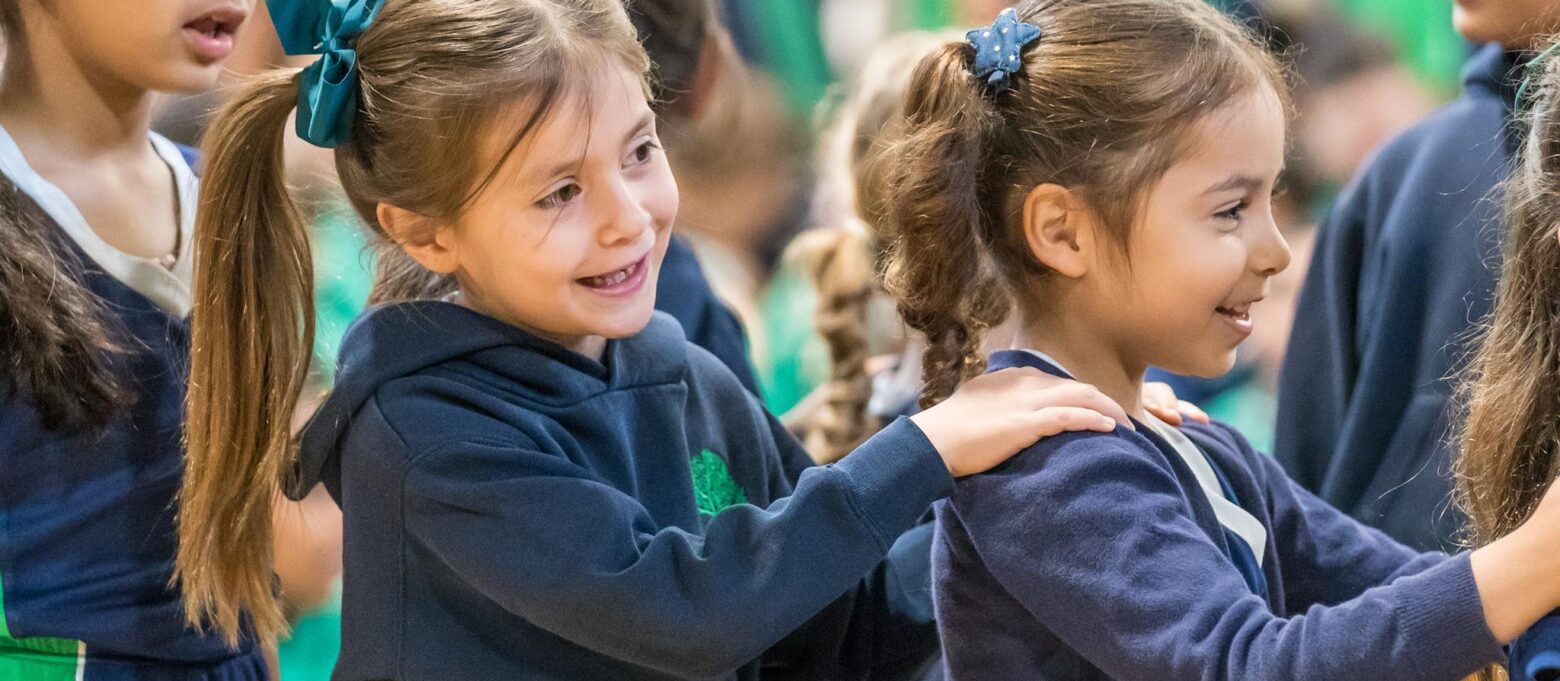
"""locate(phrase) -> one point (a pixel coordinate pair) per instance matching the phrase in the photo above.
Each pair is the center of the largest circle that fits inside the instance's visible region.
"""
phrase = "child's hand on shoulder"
(1160, 400)
(994, 416)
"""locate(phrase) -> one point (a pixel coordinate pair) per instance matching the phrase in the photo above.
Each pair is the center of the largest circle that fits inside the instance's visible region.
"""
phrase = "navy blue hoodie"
(516, 510)
(1093, 556)
(1405, 265)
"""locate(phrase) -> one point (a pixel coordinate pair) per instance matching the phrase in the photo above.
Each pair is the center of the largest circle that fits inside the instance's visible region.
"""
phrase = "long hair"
(60, 347)
(1510, 391)
(435, 77)
(1101, 105)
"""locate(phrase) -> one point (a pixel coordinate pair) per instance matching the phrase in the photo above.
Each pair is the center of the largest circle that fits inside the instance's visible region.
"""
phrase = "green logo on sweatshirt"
(713, 488)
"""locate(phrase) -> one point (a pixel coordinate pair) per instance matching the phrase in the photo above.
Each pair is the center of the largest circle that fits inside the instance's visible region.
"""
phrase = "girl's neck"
(1088, 358)
(594, 347)
(48, 94)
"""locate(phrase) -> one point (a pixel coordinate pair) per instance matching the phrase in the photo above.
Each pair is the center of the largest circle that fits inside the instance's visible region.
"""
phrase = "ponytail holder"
(328, 89)
(999, 50)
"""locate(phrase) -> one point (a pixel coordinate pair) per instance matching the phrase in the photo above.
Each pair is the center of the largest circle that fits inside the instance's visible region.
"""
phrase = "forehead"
(589, 115)
(1245, 136)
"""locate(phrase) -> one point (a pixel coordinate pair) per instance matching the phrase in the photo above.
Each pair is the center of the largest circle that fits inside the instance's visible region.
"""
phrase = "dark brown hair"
(60, 346)
(1101, 106)
(436, 75)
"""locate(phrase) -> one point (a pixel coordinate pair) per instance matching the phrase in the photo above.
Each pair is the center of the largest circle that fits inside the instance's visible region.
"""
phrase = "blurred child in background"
(97, 218)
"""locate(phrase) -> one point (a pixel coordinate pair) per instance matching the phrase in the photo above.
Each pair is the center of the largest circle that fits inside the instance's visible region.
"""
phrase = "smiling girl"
(96, 217)
(1109, 165)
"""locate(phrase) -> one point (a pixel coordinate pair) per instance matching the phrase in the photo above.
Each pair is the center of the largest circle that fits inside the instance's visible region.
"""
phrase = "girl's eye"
(1234, 212)
(643, 152)
(563, 195)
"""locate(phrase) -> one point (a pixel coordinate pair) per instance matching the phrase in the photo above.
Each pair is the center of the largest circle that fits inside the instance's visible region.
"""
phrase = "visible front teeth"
(613, 279)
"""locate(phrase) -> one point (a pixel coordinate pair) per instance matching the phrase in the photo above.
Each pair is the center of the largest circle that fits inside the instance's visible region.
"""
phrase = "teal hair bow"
(328, 89)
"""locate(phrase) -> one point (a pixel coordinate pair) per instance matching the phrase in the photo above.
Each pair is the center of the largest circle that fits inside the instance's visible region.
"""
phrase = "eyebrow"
(1241, 182)
(571, 163)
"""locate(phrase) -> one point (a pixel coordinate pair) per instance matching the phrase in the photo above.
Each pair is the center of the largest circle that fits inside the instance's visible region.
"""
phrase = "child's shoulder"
(1082, 454)
(1087, 455)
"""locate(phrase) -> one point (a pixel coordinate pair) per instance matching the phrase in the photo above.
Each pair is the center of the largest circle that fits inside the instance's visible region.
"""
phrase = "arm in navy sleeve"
(1328, 557)
(883, 629)
(545, 540)
(1114, 565)
(1321, 362)
(1535, 656)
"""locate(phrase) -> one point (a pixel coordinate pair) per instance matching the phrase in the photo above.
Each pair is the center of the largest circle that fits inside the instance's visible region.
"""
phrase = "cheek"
(660, 195)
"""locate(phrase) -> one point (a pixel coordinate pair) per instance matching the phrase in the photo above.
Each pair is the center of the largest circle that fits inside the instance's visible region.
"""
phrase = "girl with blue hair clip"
(540, 477)
(1107, 168)
(97, 217)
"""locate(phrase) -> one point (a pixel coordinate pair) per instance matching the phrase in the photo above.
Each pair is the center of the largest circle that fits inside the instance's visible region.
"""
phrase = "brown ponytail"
(436, 77)
(844, 253)
(250, 346)
(938, 270)
(1100, 105)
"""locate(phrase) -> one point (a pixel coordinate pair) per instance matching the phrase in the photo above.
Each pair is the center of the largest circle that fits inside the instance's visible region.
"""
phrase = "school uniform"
(87, 537)
(516, 510)
(1535, 656)
(1405, 266)
(1170, 554)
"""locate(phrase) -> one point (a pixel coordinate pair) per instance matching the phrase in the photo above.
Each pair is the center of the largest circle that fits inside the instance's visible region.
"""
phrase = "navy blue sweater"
(516, 510)
(1405, 265)
(86, 518)
(1097, 556)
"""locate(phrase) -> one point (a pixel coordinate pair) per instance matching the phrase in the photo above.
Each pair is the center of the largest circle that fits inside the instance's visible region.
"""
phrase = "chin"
(186, 78)
(626, 325)
(1203, 367)
(1468, 25)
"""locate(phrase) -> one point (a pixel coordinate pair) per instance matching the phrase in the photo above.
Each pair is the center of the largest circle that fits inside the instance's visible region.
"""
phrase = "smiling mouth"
(217, 24)
(1240, 312)
(616, 278)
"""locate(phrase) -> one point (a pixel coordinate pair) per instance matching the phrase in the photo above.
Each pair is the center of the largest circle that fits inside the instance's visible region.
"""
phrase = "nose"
(624, 217)
(1269, 252)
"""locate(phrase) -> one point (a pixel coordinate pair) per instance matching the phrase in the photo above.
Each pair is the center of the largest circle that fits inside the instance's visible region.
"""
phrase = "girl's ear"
(437, 253)
(1059, 228)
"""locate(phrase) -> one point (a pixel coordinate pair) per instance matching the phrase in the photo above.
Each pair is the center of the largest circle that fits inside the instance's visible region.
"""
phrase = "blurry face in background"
(1517, 24)
(980, 12)
(158, 45)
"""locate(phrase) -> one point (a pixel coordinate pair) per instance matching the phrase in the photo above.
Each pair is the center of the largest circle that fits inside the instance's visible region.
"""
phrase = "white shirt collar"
(168, 288)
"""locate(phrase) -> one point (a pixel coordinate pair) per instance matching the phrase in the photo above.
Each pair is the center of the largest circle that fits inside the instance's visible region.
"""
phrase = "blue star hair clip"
(999, 50)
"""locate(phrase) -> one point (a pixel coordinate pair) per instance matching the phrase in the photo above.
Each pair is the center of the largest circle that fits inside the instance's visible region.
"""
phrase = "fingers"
(1191, 411)
(1053, 420)
(1075, 394)
(1164, 411)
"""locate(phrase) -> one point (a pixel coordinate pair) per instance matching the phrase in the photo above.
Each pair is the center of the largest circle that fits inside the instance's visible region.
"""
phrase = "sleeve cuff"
(1442, 612)
(896, 476)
